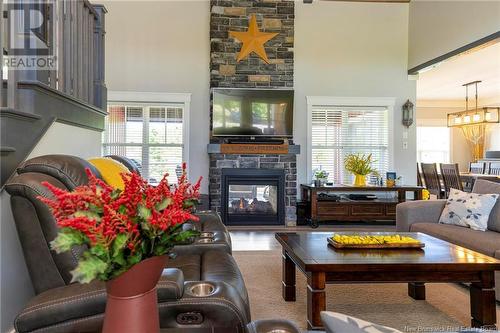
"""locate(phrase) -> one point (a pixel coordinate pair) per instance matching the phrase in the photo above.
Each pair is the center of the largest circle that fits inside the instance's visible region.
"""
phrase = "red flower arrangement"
(121, 228)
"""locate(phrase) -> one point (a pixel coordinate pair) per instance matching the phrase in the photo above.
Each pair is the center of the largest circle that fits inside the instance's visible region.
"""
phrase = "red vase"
(132, 304)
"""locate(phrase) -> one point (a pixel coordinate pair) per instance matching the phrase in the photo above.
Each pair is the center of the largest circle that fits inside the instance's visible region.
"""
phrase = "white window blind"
(433, 144)
(151, 135)
(338, 131)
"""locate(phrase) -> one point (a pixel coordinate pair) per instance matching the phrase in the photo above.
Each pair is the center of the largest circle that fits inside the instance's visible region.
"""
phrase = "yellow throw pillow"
(110, 170)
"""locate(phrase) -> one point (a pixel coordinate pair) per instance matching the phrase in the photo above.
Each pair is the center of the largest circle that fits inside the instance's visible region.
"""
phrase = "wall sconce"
(408, 113)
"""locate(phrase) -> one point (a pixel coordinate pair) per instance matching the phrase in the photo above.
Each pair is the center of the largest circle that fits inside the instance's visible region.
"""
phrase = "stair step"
(12, 113)
(4, 150)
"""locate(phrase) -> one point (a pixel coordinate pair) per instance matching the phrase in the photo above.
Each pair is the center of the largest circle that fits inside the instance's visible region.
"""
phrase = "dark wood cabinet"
(344, 209)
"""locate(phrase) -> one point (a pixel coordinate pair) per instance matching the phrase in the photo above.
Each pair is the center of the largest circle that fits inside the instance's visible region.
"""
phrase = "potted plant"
(320, 177)
(361, 166)
(127, 236)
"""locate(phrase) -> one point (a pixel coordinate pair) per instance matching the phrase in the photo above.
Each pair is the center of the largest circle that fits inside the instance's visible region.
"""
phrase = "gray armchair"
(423, 216)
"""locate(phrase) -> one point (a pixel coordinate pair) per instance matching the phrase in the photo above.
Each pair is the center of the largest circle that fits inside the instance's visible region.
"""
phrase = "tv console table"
(345, 209)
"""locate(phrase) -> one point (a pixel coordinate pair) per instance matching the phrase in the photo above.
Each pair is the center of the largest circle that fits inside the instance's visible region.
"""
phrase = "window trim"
(152, 98)
(435, 123)
(334, 101)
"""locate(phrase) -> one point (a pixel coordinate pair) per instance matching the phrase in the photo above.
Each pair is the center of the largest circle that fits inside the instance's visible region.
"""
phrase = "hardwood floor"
(262, 238)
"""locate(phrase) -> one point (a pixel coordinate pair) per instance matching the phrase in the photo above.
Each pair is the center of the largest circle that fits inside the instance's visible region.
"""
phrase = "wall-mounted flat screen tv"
(252, 112)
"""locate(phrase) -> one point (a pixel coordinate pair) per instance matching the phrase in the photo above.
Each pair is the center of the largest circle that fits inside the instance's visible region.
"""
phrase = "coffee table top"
(311, 252)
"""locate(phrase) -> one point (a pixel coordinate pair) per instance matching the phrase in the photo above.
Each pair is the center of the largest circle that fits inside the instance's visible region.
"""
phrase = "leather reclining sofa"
(60, 306)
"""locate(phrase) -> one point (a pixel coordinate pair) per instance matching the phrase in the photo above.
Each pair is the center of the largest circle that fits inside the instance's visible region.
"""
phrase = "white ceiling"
(445, 81)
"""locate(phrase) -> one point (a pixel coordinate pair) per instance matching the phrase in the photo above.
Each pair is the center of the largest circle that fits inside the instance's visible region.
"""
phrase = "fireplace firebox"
(253, 196)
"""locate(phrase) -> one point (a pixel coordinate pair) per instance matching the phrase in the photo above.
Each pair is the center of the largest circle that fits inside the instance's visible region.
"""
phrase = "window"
(150, 133)
(433, 144)
(336, 131)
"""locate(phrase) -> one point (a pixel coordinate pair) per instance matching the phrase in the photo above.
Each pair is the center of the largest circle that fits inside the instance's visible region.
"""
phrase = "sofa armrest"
(221, 241)
(272, 325)
(171, 284)
(421, 211)
(83, 305)
(64, 304)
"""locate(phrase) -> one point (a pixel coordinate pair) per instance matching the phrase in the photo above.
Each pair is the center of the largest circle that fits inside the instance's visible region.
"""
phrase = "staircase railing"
(75, 35)
(72, 91)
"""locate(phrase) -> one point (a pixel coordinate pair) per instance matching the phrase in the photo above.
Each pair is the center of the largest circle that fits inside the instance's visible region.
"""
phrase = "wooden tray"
(375, 246)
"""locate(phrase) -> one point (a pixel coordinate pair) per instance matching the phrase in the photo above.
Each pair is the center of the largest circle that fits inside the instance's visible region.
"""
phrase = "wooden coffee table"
(439, 261)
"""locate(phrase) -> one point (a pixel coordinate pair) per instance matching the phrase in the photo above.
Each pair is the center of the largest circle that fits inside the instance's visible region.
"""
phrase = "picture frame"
(391, 176)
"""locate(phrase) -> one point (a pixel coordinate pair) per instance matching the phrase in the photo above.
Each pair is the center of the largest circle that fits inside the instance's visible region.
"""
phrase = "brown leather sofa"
(60, 306)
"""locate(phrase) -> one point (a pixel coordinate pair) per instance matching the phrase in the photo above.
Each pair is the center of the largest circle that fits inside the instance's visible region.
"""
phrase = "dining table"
(470, 178)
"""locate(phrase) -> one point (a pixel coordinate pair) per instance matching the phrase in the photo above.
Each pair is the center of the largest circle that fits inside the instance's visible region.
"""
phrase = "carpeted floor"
(386, 304)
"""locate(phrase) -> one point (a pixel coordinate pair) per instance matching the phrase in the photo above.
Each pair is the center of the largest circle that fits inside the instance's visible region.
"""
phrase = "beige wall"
(15, 282)
(493, 138)
(354, 50)
(170, 53)
(164, 46)
(438, 27)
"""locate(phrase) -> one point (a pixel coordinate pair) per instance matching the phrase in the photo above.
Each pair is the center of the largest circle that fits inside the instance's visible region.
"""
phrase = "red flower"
(102, 213)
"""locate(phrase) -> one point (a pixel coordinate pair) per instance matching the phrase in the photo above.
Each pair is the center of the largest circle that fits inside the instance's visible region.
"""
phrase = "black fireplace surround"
(253, 196)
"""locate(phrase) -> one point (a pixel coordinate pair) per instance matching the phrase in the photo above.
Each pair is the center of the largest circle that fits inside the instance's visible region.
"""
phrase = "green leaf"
(118, 244)
(190, 203)
(161, 250)
(120, 259)
(135, 258)
(100, 251)
(66, 239)
(144, 213)
(122, 209)
(88, 269)
(164, 204)
(115, 194)
(88, 214)
(187, 235)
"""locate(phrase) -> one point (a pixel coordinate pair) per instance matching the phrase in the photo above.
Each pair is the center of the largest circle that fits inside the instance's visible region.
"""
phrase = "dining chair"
(477, 167)
(420, 181)
(431, 179)
(451, 177)
(494, 168)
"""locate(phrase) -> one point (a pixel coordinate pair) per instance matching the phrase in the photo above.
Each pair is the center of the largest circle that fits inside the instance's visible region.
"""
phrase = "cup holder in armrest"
(207, 234)
(205, 240)
(202, 289)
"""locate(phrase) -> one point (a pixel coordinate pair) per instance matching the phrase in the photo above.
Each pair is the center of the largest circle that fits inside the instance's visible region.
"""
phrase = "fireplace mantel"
(215, 148)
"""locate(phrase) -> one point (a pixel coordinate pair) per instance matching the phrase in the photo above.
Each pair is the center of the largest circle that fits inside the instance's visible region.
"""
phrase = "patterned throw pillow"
(470, 210)
(335, 322)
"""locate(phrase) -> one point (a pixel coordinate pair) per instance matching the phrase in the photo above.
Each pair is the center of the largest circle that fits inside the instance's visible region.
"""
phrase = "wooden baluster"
(12, 74)
(85, 42)
(74, 49)
(3, 101)
(60, 21)
(79, 40)
(90, 57)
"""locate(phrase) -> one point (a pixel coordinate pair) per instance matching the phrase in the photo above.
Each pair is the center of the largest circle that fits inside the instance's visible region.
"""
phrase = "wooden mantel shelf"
(257, 149)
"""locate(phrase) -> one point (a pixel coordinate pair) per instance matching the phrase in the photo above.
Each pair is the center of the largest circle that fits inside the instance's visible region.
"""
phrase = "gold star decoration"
(253, 40)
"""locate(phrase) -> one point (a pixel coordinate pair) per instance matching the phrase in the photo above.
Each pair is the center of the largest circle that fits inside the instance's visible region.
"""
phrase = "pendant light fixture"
(474, 116)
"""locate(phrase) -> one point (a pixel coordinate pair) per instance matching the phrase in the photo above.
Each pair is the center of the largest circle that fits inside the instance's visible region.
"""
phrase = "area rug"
(447, 305)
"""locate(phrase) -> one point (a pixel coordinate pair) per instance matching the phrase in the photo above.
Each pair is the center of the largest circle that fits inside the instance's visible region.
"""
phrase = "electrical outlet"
(405, 145)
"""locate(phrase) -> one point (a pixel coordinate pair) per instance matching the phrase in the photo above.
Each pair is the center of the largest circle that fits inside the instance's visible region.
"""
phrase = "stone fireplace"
(287, 164)
(253, 196)
(275, 16)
